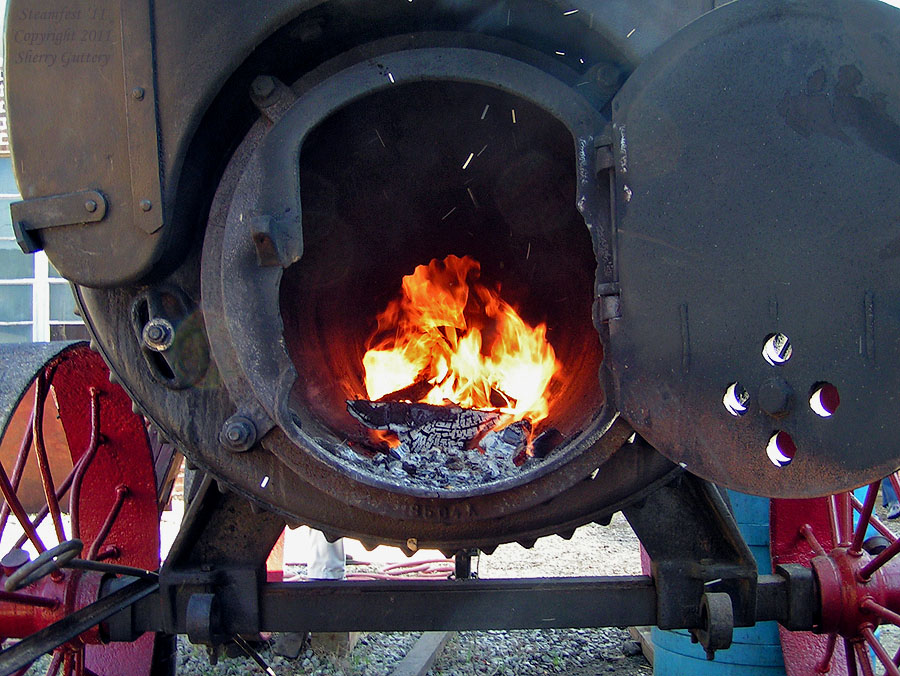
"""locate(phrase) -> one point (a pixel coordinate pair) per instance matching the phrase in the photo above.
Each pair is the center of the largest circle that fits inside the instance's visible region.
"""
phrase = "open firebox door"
(758, 237)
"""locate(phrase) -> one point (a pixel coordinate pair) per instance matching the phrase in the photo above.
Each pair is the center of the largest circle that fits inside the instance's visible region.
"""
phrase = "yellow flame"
(459, 337)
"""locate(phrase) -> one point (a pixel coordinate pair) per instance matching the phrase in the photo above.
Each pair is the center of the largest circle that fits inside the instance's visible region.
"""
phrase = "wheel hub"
(850, 598)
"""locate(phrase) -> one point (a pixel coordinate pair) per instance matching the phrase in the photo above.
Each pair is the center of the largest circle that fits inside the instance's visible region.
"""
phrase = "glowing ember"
(449, 339)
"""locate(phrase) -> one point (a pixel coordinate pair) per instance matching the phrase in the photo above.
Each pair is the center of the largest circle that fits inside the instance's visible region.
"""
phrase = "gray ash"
(441, 447)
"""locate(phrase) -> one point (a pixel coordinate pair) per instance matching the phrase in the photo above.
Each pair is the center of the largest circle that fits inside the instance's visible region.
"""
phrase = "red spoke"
(884, 613)
(862, 656)
(833, 519)
(28, 599)
(53, 669)
(18, 511)
(824, 664)
(890, 668)
(79, 662)
(851, 660)
(876, 522)
(807, 532)
(864, 517)
(121, 494)
(18, 468)
(43, 511)
(845, 514)
(83, 464)
(41, 386)
(68, 663)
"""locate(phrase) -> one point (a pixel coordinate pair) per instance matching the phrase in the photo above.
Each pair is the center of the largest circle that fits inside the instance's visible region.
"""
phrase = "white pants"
(326, 560)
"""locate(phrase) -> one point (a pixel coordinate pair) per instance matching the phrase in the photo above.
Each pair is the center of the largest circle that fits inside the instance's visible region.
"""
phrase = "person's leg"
(889, 498)
(326, 560)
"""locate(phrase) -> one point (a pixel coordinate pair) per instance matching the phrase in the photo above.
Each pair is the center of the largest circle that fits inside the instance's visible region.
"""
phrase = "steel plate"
(758, 193)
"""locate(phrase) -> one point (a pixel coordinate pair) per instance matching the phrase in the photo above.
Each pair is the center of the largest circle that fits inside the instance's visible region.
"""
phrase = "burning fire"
(449, 339)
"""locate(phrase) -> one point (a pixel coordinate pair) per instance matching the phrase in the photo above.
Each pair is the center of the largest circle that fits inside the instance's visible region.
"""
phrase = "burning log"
(421, 427)
(414, 392)
(545, 442)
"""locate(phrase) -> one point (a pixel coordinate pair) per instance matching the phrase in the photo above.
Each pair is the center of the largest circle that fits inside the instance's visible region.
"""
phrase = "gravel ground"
(594, 550)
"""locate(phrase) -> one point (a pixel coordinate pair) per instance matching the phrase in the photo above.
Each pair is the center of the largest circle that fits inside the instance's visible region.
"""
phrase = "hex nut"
(238, 434)
(263, 86)
(158, 334)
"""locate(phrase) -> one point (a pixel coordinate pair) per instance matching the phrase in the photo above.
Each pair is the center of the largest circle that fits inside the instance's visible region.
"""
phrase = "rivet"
(146, 205)
(776, 397)
(137, 93)
(90, 206)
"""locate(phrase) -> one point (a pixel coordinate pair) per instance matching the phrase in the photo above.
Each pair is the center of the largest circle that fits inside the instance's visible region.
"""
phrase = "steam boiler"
(450, 274)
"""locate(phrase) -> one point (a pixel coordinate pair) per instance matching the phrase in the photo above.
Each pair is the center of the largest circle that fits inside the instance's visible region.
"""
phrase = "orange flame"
(451, 339)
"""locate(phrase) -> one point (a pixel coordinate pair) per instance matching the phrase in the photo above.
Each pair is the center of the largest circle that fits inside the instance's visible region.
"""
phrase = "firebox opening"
(419, 172)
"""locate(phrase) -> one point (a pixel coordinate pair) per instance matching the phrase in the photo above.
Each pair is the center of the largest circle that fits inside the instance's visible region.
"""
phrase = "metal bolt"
(137, 93)
(238, 434)
(262, 86)
(90, 206)
(158, 334)
(608, 75)
(146, 205)
(776, 397)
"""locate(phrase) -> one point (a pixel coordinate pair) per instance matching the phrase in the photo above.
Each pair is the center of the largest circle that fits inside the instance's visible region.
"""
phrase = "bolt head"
(155, 332)
(90, 206)
(137, 93)
(776, 397)
(146, 205)
(158, 335)
(263, 86)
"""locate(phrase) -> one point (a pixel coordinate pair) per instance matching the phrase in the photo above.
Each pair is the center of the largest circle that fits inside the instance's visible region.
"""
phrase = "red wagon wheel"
(858, 579)
(89, 455)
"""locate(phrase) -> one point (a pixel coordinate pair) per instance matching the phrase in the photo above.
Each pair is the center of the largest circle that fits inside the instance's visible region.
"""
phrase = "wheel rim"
(106, 469)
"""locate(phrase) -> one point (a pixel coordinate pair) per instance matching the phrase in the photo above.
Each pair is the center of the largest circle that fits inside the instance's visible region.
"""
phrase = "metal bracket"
(605, 157)
(608, 297)
(717, 615)
(140, 114)
(696, 548)
(86, 206)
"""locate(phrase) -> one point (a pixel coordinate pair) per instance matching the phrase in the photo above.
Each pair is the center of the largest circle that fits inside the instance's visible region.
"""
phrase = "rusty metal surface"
(65, 62)
(247, 295)
(757, 195)
(30, 216)
(313, 488)
(120, 65)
